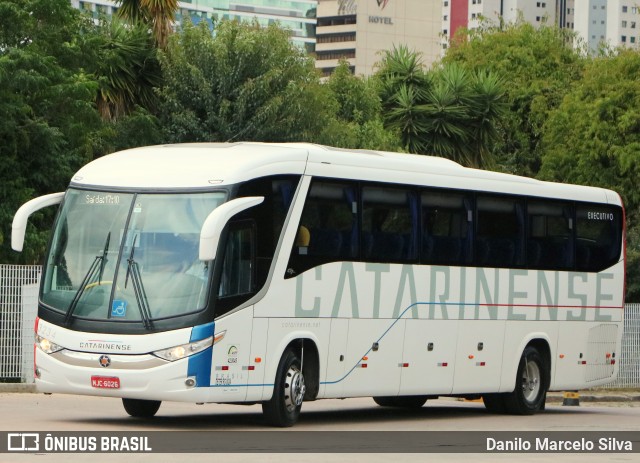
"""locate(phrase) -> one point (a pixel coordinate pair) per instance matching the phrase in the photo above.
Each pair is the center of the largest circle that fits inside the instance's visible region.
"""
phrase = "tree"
(449, 111)
(158, 14)
(47, 113)
(593, 138)
(245, 82)
(540, 66)
(127, 68)
(358, 120)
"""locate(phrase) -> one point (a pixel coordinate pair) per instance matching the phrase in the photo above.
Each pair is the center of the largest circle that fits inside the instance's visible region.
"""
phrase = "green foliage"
(159, 15)
(540, 66)
(358, 121)
(593, 138)
(243, 83)
(449, 111)
(46, 111)
(126, 67)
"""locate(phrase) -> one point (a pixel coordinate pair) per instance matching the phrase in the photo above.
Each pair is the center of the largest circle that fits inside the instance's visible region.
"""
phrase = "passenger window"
(500, 232)
(446, 221)
(599, 231)
(389, 225)
(328, 229)
(550, 240)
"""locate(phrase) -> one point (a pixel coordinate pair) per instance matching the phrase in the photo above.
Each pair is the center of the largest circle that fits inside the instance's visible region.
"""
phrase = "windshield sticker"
(102, 199)
(119, 308)
(137, 209)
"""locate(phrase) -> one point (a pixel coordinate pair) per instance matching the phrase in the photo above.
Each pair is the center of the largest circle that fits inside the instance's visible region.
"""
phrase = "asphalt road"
(37, 412)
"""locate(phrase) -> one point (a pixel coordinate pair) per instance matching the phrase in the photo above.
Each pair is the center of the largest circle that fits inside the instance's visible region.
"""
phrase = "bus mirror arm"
(215, 222)
(19, 225)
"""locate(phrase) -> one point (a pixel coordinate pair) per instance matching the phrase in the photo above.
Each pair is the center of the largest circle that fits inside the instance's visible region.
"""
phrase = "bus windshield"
(128, 257)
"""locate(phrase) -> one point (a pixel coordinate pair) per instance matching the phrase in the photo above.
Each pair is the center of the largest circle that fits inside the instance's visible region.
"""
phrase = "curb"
(6, 388)
(617, 397)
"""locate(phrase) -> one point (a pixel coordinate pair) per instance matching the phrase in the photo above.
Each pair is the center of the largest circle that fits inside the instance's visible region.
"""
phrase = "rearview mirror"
(215, 222)
(19, 225)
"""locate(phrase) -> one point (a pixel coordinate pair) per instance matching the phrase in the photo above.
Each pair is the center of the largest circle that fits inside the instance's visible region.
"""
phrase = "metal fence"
(18, 286)
(18, 301)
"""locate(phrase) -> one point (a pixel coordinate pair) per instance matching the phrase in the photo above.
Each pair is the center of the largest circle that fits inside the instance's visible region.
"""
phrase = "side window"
(550, 239)
(268, 217)
(237, 275)
(389, 225)
(446, 226)
(599, 232)
(500, 232)
(328, 229)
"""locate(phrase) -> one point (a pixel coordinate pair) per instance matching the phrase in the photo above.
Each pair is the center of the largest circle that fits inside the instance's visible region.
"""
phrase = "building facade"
(299, 16)
(359, 31)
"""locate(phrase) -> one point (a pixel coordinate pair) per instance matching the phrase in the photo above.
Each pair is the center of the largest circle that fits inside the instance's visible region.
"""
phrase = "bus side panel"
(588, 354)
(374, 371)
(332, 385)
(428, 357)
(479, 356)
(229, 370)
(257, 358)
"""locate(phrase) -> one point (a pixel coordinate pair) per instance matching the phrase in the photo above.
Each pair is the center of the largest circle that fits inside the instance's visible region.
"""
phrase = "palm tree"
(447, 112)
(158, 14)
(128, 70)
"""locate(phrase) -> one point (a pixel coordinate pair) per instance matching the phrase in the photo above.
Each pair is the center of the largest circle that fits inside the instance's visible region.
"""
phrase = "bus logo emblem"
(104, 361)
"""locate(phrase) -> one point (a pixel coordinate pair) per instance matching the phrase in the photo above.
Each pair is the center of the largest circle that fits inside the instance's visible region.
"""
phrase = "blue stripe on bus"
(200, 332)
(200, 367)
(200, 363)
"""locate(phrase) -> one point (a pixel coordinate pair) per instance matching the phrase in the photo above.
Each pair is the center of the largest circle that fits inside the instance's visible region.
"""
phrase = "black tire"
(532, 381)
(494, 403)
(141, 408)
(284, 407)
(407, 401)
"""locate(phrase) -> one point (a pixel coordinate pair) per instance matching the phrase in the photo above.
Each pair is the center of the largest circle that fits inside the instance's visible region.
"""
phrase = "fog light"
(190, 382)
(37, 373)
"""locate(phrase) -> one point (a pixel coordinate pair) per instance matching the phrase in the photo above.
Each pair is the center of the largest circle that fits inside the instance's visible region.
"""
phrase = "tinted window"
(598, 230)
(328, 229)
(500, 232)
(389, 225)
(446, 237)
(550, 241)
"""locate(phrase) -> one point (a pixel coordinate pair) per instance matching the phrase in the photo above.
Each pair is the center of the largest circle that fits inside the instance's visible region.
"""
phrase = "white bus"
(283, 273)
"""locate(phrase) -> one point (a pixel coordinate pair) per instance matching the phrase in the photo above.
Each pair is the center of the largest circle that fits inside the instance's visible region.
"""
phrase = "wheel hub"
(294, 388)
(531, 381)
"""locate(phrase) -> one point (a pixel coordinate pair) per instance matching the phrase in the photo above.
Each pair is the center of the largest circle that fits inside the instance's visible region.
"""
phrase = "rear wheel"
(141, 408)
(284, 407)
(408, 401)
(531, 384)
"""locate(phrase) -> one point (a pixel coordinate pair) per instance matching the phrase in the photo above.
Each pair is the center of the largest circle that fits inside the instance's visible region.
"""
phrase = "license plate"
(105, 382)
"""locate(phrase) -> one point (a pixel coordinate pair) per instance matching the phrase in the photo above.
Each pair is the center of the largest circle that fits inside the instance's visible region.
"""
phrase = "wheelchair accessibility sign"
(119, 308)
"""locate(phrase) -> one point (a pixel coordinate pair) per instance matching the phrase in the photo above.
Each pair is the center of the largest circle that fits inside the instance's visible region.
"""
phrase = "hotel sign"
(381, 19)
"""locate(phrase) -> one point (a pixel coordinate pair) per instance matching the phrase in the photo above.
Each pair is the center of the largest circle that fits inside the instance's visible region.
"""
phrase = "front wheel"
(141, 408)
(530, 393)
(284, 407)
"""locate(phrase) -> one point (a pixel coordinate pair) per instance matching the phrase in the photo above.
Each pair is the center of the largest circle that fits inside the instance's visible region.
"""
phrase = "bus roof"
(207, 165)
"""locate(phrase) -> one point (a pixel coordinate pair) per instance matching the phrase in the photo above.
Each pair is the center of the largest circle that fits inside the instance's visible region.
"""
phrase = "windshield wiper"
(138, 288)
(97, 265)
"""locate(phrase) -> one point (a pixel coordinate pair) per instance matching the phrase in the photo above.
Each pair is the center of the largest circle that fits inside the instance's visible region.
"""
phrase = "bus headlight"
(184, 350)
(47, 346)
